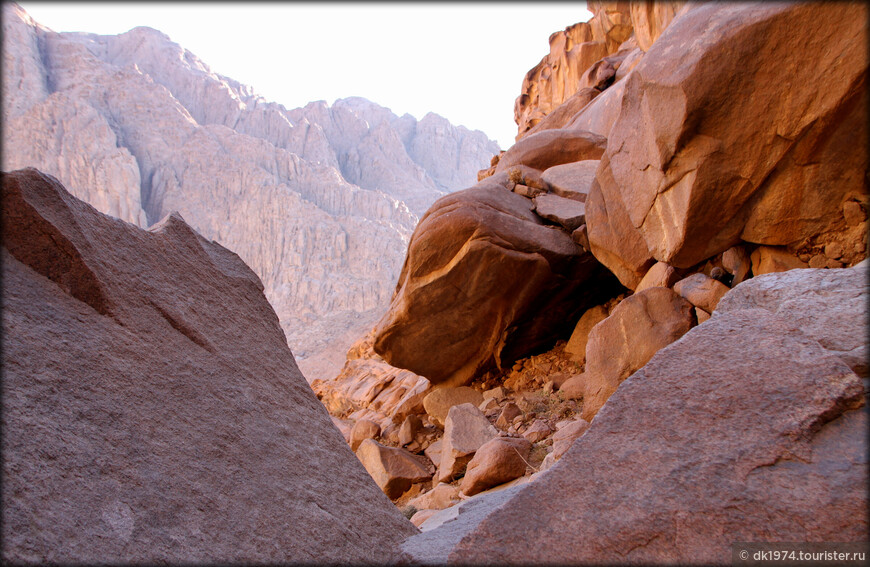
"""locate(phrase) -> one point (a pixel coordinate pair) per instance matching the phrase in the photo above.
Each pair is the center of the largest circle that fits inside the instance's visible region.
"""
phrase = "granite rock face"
(830, 306)
(701, 447)
(152, 411)
(319, 201)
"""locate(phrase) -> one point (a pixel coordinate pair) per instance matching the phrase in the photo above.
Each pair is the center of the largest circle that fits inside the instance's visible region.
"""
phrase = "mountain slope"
(320, 201)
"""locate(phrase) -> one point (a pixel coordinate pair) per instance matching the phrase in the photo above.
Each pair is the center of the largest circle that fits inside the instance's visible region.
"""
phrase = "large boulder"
(152, 412)
(459, 305)
(635, 330)
(612, 237)
(743, 430)
(725, 135)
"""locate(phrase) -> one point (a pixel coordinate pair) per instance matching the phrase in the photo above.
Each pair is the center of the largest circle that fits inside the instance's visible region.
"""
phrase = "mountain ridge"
(139, 127)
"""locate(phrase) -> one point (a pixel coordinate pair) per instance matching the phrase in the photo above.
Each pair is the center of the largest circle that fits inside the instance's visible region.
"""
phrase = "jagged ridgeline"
(319, 201)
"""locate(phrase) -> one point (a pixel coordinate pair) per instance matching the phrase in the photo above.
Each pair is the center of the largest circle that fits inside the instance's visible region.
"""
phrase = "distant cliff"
(320, 201)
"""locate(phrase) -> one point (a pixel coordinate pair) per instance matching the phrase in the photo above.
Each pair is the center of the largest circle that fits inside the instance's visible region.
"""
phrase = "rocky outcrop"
(586, 58)
(726, 156)
(572, 51)
(152, 411)
(733, 415)
(319, 201)
(761, 447)
(459, 307)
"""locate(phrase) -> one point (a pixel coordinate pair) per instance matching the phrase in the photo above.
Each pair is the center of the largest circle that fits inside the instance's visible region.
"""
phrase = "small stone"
(465, 430)
(527, 191)
(498, 461)
(508, 414)
(442, 496)
(834, 250)
(410, 427)
(660, 274)
(439, 401)
(421, 516)
(833, 264)
(581, 237)
(566, 212)
(538, 431)
(574, 387)
(701, 291)
(548, 462)
(394, 470)
(362, 430)
(488, 405)
(572, 180)
(497, 392)
(767, 259)
(701, 315)
(565, 437)
(558, 379)
(853, 213)
(818, 261)
(548, 387)
(576, 346)
(433, 451)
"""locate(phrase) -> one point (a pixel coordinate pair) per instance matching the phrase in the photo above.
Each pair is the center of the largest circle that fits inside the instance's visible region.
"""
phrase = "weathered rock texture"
(319, 201)
(460, 306)
(152, 412)
(725, 135)
(746, 429)
(369, 388)
(585, 59)
(572, 51)
(829, 305)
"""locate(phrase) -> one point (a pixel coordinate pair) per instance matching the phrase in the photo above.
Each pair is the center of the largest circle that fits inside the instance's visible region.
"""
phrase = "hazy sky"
(463, 61)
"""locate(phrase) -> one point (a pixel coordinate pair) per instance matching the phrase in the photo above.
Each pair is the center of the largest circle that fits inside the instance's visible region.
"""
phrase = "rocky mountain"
(319, 201)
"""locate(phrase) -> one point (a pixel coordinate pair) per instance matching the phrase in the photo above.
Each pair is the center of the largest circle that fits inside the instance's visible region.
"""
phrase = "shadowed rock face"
(485, 281)
(152, 411)
(319, 201)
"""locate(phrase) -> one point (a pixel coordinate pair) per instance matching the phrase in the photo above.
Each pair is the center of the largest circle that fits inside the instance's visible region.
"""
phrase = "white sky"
(464, 61)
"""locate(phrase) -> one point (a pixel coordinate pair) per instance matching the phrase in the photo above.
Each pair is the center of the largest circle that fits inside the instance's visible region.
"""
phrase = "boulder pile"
(693, 153)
